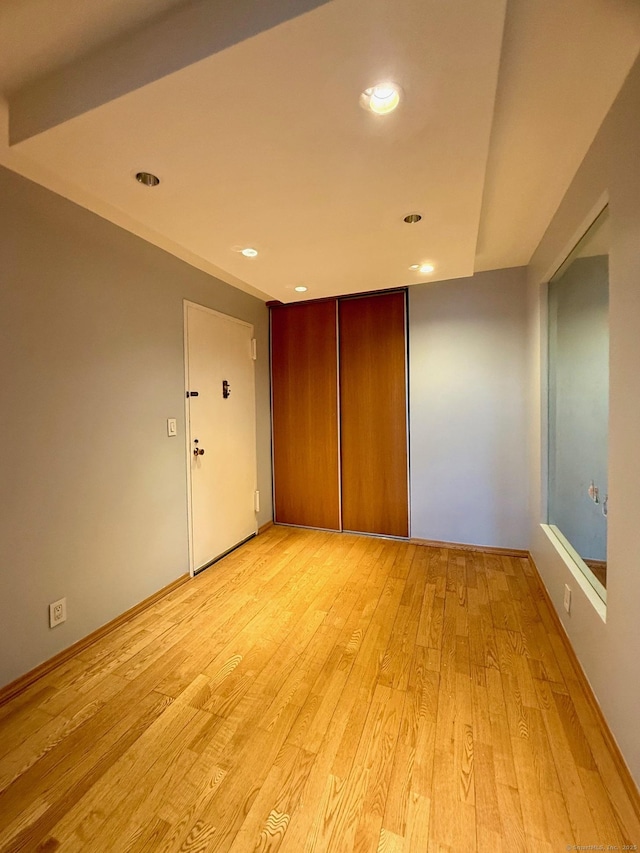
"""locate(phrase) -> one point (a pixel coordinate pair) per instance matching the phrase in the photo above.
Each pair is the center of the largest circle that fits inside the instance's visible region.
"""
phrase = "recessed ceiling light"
(300, 289)
(147, 179)
(249, 252)
(381, 99)
(423, 268)
(412, 218)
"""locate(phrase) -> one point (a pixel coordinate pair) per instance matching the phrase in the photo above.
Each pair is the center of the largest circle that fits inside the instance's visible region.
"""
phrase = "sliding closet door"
(374, 415)
(304, 381)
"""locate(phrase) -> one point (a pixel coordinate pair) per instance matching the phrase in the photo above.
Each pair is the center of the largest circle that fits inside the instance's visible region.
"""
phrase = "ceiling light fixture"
(412, 218)
(300, 289)
(423, 268)
(249, 252)
(381, 99)
(147, 179)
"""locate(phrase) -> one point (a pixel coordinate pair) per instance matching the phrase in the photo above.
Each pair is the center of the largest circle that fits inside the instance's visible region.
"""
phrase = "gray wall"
(608, 651)
(93, 491)
(467, 358)
(579, 403)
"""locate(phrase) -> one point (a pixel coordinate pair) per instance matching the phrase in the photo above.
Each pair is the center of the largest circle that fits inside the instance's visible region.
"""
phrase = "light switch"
(172, 426)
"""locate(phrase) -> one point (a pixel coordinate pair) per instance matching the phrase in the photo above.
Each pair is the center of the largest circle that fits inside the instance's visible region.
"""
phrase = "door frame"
(187, 303)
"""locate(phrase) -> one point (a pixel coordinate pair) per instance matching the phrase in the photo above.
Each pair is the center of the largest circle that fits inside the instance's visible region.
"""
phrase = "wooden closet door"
(304, 389)
(373, 406)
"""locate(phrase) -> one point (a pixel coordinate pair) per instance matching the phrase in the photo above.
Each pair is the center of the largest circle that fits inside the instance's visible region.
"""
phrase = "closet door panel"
(304, 382)
(374, 415)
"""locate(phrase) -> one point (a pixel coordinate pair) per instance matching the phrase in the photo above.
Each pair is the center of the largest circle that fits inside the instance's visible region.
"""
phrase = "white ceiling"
(253, 125)
(37, 36)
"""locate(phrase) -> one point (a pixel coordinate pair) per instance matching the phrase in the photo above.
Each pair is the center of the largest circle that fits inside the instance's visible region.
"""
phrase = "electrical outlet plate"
(57, 612)
(567, 598)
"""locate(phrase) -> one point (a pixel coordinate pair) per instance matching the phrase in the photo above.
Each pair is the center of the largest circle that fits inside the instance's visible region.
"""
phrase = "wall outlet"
(567, 598)
(57, 612)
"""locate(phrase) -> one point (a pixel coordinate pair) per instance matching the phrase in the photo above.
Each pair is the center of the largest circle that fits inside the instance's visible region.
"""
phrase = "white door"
(221, 432)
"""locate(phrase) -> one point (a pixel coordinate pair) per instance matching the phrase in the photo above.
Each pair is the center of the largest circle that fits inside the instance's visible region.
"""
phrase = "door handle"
(197, 451)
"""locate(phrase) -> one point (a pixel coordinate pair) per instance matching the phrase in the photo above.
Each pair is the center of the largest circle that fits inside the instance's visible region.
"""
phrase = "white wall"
(91, 346)
(609, 652)
(467, 368)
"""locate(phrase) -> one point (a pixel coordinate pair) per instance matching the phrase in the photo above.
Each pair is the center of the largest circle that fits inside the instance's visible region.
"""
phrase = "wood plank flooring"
(319, 692)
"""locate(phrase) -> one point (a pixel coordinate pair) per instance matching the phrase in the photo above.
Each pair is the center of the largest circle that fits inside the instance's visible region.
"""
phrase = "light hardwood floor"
(319, 692)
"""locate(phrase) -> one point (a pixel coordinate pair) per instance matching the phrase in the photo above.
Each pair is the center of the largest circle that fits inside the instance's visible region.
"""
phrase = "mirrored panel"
(579, 402)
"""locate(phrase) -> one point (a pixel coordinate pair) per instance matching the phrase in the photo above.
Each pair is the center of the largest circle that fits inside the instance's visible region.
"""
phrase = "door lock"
(197, 451)
(226, 389)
